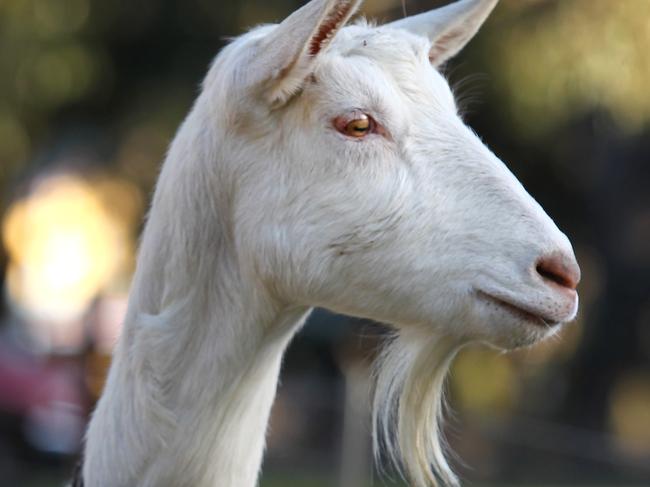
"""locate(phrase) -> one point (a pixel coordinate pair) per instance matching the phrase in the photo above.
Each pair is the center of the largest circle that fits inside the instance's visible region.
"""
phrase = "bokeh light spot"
(64, 247)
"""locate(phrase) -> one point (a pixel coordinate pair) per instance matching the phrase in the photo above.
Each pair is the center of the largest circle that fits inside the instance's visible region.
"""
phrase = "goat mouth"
(520, 312)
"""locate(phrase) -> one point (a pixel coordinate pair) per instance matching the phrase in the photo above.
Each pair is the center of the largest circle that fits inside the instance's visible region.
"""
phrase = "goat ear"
(286, 55)
(449, 28)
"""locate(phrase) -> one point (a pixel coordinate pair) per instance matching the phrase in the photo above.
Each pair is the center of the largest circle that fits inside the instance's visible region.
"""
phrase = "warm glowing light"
(65, 246)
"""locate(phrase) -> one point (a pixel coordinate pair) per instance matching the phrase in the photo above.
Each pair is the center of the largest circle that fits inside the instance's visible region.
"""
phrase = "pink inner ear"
(329, 25)
(441, 45)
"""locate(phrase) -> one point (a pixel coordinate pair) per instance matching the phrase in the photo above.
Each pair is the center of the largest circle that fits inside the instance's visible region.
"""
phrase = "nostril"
(557, 270)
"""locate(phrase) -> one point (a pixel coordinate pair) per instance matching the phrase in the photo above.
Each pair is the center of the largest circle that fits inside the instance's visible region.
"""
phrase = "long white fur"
(263, 210)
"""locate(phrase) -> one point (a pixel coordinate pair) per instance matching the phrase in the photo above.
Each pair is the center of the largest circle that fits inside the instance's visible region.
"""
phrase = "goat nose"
(560, 269)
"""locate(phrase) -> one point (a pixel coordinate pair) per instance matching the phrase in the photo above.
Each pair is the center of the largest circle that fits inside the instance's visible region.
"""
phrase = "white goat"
(321, 165)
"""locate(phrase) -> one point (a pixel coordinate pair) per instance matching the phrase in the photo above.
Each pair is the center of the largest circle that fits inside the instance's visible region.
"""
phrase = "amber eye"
(357, 124)
(358, 127)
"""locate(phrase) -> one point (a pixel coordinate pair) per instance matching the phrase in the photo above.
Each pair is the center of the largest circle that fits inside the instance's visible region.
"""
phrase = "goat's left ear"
(285, 56)
(449, 28)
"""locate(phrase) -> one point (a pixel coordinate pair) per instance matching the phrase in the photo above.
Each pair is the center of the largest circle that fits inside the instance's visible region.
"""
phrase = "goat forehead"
(395, 54)
(380, 43)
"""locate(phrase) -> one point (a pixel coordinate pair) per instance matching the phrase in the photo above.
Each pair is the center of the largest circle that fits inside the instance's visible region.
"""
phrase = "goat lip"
(526, 313)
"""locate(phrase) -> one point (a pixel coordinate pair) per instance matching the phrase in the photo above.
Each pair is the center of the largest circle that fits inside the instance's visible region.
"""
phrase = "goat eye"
(358, 127)
(355, 125)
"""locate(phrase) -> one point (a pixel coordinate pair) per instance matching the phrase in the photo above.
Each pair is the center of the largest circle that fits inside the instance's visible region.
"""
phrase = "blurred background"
(91, 92)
